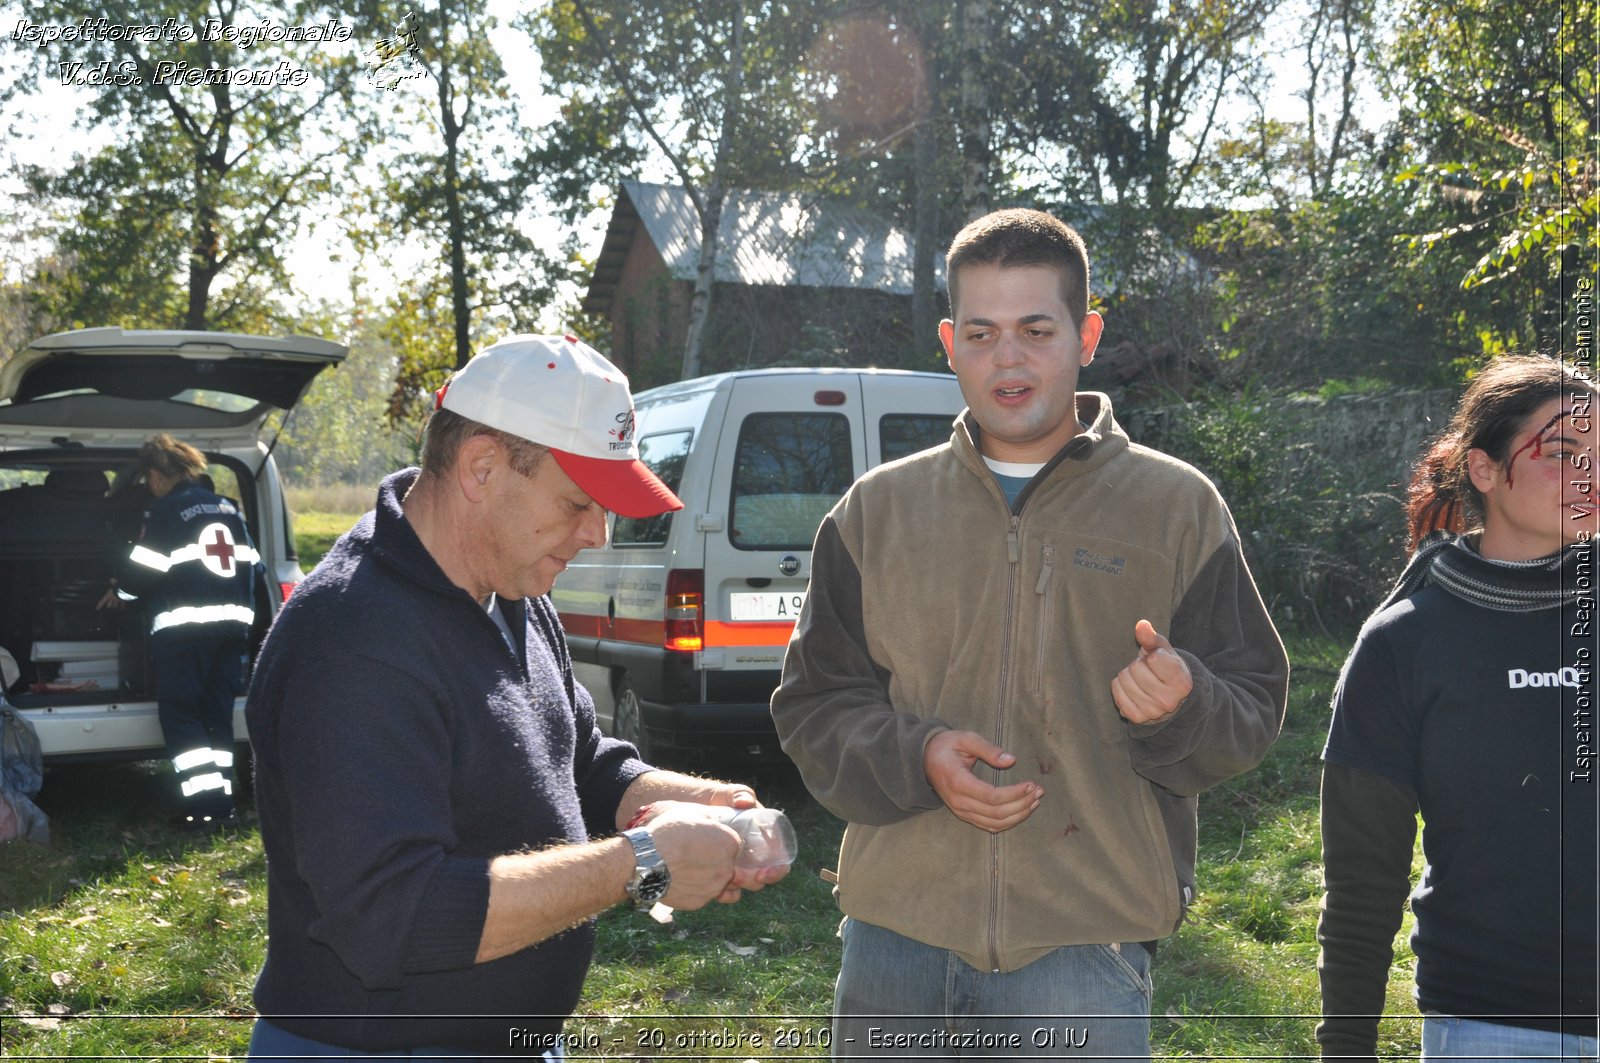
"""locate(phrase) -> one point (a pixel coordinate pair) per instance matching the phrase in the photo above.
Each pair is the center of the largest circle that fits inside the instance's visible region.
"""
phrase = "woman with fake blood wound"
(1470, 697)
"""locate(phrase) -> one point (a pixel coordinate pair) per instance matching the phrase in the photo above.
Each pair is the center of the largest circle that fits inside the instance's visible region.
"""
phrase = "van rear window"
(788, 471)
(900, 434)
(664, 454)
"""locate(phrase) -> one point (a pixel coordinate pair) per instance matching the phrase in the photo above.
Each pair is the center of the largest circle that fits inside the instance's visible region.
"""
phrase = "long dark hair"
(1503, 395)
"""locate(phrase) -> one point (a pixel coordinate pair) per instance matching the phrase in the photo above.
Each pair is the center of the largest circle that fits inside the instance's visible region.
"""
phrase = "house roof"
(766, 238)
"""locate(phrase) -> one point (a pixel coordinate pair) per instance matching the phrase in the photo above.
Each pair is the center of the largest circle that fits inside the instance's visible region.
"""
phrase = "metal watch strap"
(648, 866)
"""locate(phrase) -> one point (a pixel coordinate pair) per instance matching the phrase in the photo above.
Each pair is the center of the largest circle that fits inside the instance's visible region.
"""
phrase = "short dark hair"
(447, 431)
(1019, 237)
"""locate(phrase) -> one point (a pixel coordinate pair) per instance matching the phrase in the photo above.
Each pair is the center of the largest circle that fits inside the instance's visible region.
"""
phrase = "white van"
(678, 625)
(74, 409)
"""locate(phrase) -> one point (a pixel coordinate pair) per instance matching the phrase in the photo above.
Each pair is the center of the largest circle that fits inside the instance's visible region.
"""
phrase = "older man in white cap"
(431, 781)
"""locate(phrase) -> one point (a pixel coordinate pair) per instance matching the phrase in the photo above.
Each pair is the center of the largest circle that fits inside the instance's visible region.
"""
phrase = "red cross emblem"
(218, 553)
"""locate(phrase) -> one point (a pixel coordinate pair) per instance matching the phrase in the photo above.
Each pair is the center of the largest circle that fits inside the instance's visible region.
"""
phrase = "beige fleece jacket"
(933, 605)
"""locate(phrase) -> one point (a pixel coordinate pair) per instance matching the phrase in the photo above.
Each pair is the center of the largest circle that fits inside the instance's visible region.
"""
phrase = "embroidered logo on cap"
(623, 433)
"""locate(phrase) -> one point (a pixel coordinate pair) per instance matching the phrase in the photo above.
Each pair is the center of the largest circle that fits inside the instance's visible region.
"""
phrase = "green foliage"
(182, 220)
(1504, 124)
(1365, 385)
(457, 178)
(1175, 58)
(118, 211)
(1446, 237)
(1556, 204)
(917, 114)
(1321, 530)
(671, 107)
(707, 89)
(1326, 291)
(339, 432)
(418, 325)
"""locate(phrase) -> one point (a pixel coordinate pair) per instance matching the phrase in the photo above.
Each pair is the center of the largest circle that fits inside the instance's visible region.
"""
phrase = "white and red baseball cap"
(561, 393)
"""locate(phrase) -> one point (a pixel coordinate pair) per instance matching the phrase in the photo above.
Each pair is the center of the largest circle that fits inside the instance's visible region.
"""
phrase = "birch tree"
(701, 89)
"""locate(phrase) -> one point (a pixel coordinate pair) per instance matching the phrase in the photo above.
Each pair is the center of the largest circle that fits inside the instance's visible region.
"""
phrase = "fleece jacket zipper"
(1013, 561)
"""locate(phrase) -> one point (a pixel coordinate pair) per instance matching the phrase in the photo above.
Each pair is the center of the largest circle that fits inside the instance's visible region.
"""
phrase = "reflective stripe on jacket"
(194, 565)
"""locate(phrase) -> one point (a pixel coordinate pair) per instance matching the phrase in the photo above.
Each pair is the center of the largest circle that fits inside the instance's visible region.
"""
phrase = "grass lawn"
(315, 532)
(122, 938)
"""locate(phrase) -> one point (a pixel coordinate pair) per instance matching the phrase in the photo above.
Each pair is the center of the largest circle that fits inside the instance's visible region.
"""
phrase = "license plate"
(765, 605)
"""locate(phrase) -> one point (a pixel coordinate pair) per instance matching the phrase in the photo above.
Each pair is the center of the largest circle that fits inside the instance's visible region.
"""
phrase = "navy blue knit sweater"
(399, 746)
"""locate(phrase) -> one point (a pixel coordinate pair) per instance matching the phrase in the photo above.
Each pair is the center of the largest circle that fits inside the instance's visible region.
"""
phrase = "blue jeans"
(1447, 1037)
(277, 1045)
(899, 997)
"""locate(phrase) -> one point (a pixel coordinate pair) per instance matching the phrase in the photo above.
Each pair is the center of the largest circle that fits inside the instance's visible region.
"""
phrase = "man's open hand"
(948, 760)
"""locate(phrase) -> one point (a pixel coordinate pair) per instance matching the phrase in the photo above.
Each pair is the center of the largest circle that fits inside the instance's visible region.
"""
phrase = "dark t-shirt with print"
(1488, 717)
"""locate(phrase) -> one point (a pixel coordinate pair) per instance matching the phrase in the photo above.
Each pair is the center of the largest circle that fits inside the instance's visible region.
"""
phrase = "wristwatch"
(650, 878)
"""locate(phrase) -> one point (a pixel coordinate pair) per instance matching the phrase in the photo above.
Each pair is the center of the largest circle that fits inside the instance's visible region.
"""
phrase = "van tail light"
(686, 589)
(284, 590)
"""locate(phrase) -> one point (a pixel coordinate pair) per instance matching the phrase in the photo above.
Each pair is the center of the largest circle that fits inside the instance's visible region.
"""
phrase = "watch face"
(649, 886)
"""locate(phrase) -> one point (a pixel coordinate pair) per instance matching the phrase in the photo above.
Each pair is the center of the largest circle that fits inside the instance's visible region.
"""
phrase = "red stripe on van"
(582, 625)
(654, 632)
(650, 632)
(748, 633)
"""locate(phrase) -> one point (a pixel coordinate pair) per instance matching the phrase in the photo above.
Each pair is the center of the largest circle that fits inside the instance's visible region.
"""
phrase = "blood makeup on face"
(1536, 443)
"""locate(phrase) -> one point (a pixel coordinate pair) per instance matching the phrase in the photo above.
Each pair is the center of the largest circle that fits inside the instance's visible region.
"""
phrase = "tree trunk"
(210, 170)
(1347, 94)
(977, 148)
(204, 252)
(704, 278)
(459, 307)
(460, 310)
(924, 236)
(710, 207)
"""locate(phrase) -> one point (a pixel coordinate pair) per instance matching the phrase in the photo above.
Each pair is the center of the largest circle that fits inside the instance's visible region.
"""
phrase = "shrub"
(1317, 505)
